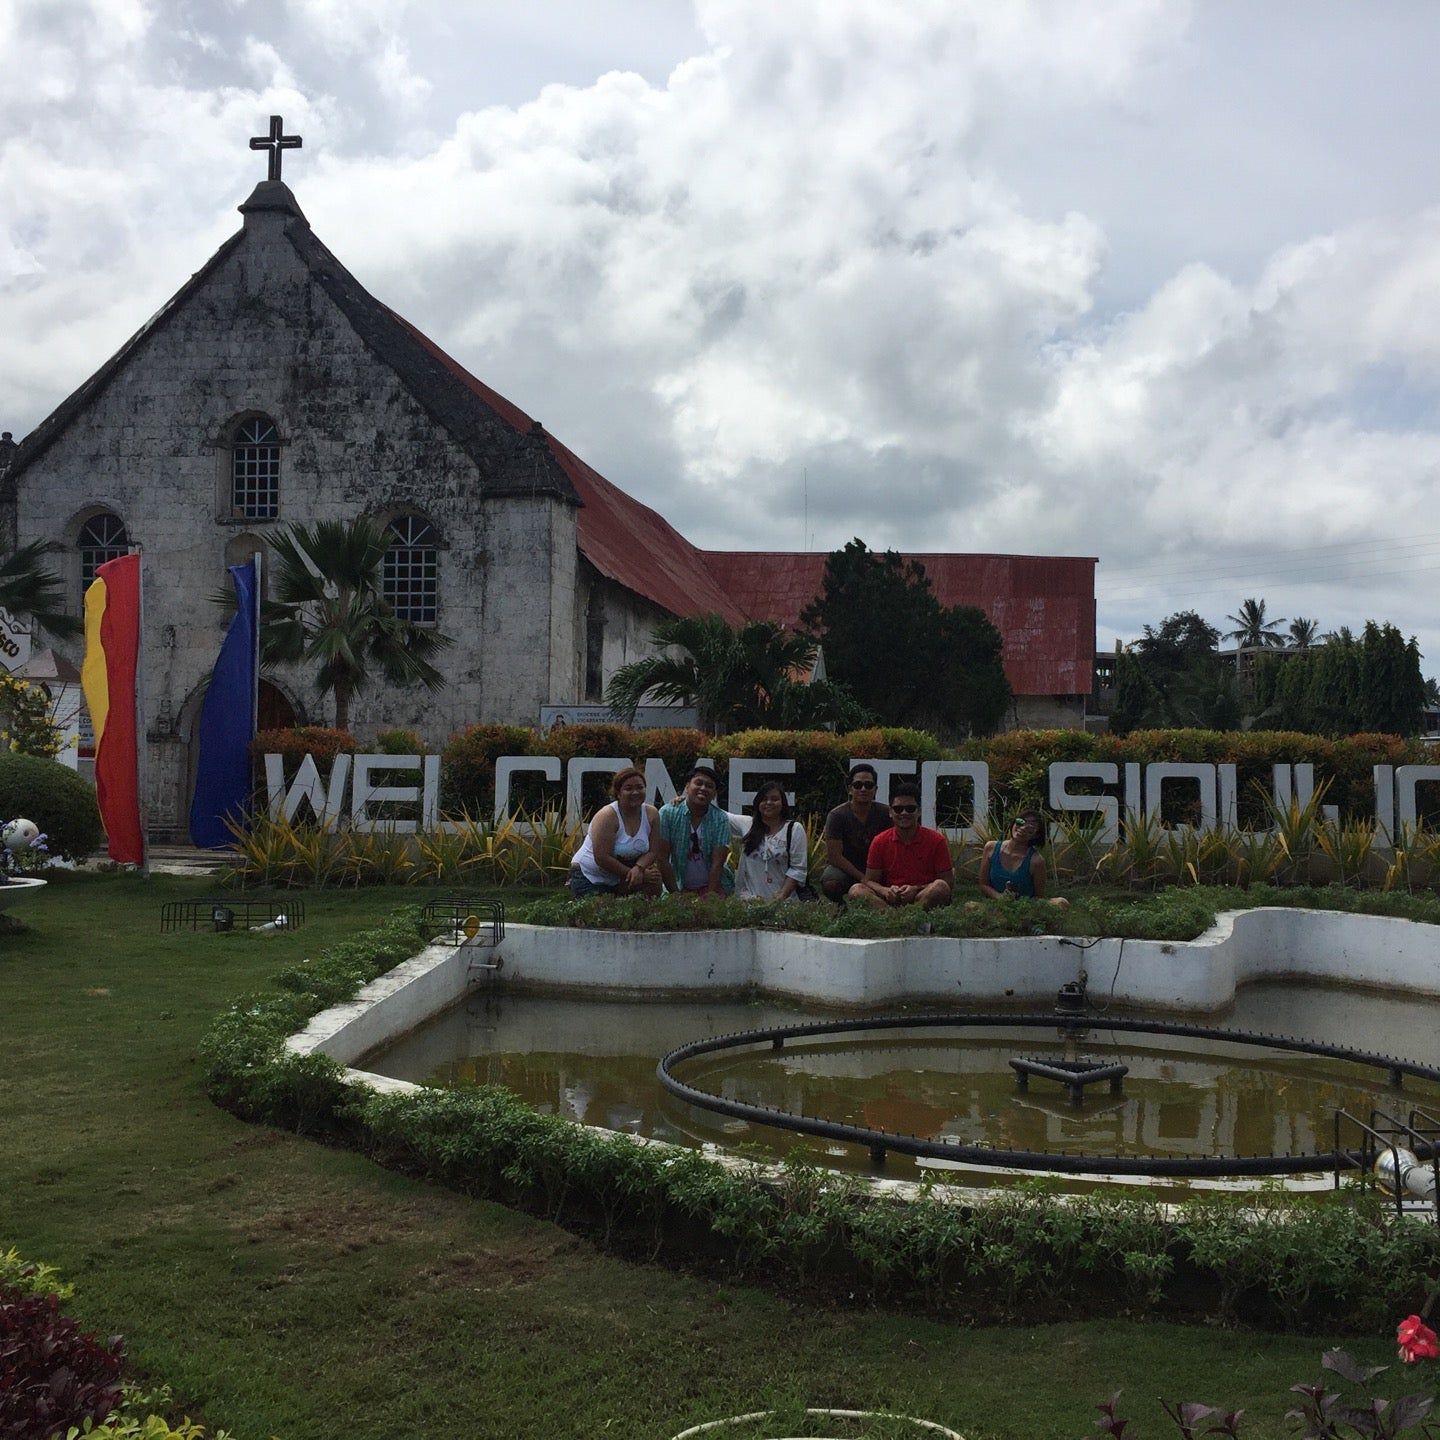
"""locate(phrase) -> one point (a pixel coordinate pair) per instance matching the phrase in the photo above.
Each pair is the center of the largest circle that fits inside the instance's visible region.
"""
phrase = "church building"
(273, 388)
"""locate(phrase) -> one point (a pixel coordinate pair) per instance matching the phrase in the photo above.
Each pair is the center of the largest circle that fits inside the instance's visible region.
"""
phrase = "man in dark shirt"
(849, 829)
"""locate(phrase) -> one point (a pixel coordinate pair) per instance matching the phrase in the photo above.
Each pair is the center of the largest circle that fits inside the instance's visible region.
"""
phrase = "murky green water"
(594, 1061)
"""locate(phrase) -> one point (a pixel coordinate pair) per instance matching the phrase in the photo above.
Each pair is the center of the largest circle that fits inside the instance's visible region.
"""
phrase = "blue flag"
(227, 721)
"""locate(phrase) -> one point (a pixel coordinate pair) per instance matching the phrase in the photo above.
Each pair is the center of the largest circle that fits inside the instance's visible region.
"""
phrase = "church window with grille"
(255, 470)
(410, 572)
(102, 537)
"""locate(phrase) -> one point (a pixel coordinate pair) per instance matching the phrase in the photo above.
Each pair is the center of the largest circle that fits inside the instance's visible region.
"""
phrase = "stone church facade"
(273, 388)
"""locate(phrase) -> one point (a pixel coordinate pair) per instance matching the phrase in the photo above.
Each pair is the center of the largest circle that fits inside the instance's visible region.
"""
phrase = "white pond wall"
(1188, 978)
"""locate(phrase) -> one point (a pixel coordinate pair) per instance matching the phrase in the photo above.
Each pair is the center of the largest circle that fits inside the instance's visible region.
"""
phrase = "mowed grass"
(287, 1288)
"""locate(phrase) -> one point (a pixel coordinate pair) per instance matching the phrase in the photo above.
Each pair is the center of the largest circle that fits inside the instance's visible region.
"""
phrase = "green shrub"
(820, 762)
(56, 799)
(250, 1070)
(302, 740)
(399, 742)
(677, 746)
(467, 765)
(1169, 915)
(30, 1277)
(146, 1427)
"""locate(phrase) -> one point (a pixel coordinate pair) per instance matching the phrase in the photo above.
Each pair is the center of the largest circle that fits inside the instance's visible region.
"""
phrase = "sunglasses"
(862, 784)
(694, 843)
(903, 809)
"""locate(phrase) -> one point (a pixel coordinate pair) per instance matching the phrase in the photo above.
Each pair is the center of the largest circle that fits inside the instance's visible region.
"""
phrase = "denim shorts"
(580, 887)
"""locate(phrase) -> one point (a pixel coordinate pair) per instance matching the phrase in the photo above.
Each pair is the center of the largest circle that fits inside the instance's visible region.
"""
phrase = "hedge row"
(1018, 761)
(1298, 1261)
(56, 799)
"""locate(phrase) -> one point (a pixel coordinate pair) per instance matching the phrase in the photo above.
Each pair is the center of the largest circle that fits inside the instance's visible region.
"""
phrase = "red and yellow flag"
(109, 678)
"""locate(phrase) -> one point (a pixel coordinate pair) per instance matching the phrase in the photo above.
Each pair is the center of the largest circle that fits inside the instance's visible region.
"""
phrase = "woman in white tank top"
(617, 856)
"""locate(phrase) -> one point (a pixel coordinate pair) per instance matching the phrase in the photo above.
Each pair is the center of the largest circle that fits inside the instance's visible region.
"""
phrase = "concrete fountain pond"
(575, 1022)
(12, 891)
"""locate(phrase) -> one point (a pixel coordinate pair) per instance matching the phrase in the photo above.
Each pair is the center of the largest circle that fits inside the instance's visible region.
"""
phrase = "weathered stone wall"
(260, 335)
(612, 627)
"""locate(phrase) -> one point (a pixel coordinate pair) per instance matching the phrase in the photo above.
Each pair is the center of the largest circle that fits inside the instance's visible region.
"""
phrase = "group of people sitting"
(876, 854)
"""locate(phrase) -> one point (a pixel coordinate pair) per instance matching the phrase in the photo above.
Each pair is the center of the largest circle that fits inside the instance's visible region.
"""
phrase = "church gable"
(275, 304)
(272, 389)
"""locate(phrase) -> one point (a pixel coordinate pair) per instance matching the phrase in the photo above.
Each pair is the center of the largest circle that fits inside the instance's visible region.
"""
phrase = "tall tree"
(904, 655)
(1369, 682)
(736, 679)
(328, 610)
(29, 591)
(1253, 629)
(1134, 696)
(1179, 680)
(1303, 633)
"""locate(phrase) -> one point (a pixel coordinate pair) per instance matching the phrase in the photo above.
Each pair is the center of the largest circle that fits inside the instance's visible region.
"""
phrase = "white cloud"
(879, 244)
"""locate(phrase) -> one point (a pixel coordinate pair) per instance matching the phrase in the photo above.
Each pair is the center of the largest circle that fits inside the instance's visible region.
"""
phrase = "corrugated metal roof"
(1043, 605)
(624, 540)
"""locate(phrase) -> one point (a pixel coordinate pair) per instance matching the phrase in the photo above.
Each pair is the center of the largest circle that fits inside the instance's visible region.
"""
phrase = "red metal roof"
(624, 540)
(1043, 605)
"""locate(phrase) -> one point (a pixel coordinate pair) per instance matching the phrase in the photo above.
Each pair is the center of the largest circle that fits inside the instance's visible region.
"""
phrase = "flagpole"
(142, 740)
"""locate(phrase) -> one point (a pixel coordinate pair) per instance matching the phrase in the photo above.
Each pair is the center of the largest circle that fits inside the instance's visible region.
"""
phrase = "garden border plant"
(54, 1374)
(1027, 1253)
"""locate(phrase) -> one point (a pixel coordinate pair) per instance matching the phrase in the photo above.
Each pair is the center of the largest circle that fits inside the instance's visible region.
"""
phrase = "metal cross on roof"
(275, 142)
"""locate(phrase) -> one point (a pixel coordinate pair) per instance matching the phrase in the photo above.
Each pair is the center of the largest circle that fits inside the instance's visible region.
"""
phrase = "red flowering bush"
(302, 740)
(1416, 1340)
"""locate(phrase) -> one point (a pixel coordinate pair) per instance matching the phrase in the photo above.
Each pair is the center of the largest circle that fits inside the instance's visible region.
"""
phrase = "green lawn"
(286, 1288)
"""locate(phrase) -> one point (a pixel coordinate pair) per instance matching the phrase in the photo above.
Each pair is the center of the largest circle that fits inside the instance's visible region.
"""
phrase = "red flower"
(1416, 1340)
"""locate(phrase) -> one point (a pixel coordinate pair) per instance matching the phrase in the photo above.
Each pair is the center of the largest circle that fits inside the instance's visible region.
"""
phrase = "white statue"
(17, 837)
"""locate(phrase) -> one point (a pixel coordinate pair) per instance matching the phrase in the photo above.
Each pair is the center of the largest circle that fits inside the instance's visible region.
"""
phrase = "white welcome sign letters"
(1140, 790)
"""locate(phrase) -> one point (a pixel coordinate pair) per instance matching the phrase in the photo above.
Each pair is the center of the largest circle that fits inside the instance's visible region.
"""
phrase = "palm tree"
(1253, 631)
(1303, 633)
(31, 592)
(329, 610)
(736, 679)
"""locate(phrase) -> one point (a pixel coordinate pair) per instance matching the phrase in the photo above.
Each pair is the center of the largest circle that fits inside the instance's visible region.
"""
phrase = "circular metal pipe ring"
(881, 1141)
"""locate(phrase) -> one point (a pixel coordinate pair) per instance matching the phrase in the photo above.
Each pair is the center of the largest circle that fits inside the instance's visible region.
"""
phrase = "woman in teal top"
(1014, 867)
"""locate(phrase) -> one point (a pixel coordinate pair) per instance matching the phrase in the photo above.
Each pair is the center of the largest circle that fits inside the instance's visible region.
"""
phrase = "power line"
(1240, 567)
(1302, 574)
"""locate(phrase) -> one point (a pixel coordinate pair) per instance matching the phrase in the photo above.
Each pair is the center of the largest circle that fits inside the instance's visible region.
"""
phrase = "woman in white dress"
(775, 856)
(618, 854)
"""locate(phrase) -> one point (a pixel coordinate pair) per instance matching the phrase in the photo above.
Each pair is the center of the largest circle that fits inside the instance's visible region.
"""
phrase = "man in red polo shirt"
(908, 864)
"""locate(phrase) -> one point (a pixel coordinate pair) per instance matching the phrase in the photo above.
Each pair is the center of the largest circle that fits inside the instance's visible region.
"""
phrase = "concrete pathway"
(187, 860)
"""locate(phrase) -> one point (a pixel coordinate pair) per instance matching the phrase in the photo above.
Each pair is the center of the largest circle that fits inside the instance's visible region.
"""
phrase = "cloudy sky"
(1153, 282)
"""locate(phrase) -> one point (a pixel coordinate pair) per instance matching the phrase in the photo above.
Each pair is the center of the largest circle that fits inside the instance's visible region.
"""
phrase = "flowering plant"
(1416, 1340)
(19, 839)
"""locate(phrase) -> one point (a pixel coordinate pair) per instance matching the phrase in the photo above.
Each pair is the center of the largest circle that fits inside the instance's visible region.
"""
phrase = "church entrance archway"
(276, 711)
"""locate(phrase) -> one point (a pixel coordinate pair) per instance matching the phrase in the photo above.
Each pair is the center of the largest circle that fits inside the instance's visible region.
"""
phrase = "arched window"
(102, 537)
(410, 572)
(255, 470)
